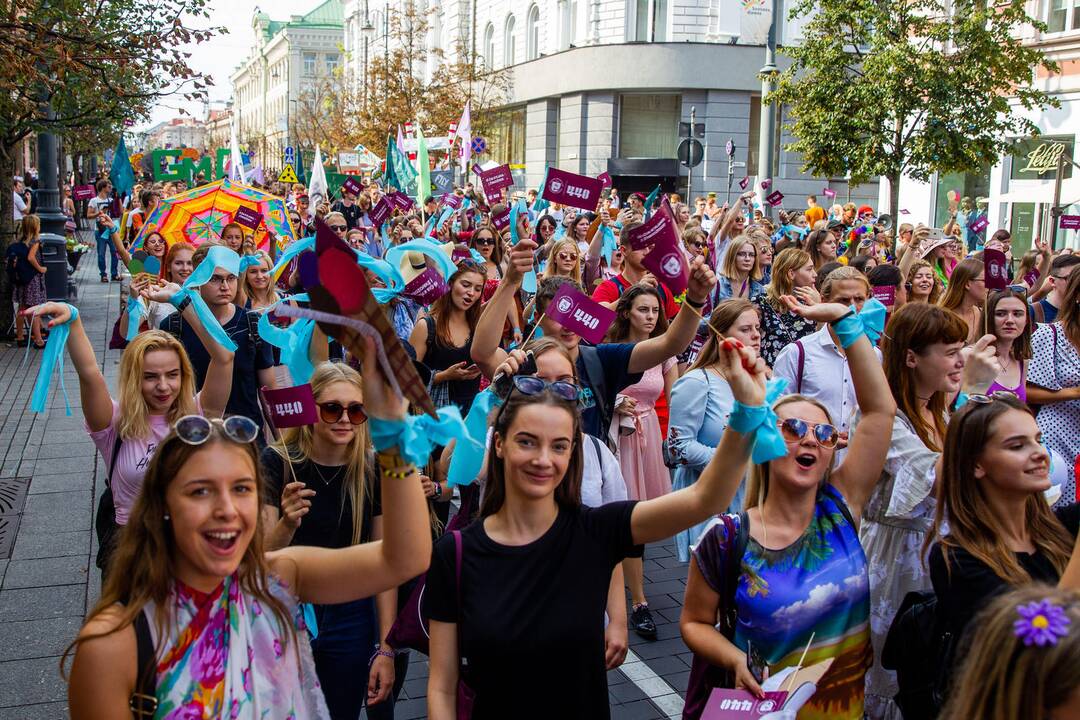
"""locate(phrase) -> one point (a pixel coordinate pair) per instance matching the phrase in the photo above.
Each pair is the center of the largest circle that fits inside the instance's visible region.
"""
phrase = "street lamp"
(367, 30)
(767, 126)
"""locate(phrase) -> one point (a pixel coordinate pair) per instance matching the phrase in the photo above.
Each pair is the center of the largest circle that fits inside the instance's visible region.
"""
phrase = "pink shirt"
(134, 457)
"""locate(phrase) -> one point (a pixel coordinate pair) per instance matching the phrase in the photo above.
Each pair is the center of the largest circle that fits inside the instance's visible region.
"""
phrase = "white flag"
(464, 132)
(318, 190)
(236, 159)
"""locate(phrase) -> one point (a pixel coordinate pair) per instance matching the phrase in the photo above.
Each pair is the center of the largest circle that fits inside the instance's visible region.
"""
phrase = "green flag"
(541, 204)
(649, 202)
(300, 176)
(389, 176)
(423, 167)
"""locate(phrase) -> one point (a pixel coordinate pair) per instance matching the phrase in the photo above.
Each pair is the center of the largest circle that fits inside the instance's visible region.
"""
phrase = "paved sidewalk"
(50, 580)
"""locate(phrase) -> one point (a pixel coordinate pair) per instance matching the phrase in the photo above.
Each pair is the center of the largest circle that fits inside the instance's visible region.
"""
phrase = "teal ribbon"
(961, 400)
(528, 283)
(417, 435)
(310, 623)
(52, 359)
(650, 200)
(608, 243)
(443, 263)
(248, 261)
(291, 252)
(761, 420)
(469, 451)
(476, 257)
(136, 311)
(293, 341)
(541, 204)
(386, 272)
(443, 217)
(870, 322)
(218, 257)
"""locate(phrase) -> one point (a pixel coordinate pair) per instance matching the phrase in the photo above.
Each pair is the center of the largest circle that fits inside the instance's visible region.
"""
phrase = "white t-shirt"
(20, 206)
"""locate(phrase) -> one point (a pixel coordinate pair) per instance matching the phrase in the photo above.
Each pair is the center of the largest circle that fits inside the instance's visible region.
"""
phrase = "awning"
(1042, 192)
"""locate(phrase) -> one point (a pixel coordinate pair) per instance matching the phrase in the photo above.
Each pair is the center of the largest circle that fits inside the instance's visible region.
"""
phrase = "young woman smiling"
(323, 491)
(523, 626)
(256, 288)
(443, 339)
(925, 286)
(793, 274)
(1007, 320)
(228, 639)
(802, 574)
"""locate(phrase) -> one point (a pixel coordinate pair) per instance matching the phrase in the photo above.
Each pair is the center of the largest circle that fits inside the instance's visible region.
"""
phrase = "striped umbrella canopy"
(200, 214)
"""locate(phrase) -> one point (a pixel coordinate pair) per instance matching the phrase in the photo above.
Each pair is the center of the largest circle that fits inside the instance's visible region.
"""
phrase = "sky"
(220, 56)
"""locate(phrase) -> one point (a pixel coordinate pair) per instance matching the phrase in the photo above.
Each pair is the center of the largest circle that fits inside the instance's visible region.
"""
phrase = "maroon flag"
(666, 260)
(427, 287)
(744, 182)
(571, 189)
(83, 192)
(380, 212)
(452, 200)
(605, 179)
(351, 185)
(579, 313)
(775, 198)
(291, 406)
(994, 271)
(246, 217)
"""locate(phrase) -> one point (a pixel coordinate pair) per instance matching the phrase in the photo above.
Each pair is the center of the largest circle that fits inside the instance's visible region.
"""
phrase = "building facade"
(176, 133)
(289, 60)
(603, 85)
(1018, 190)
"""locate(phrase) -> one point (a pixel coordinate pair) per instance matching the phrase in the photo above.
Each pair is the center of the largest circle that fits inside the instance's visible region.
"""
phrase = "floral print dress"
(225, 656)
(779, 329)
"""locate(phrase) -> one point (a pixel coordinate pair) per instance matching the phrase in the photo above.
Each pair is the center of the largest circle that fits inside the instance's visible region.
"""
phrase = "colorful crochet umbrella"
(199, 215)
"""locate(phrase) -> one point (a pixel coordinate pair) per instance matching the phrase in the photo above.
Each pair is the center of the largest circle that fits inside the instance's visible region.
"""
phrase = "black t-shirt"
(531, 625)
(352, 213)
(615, 359)
(329, 522)
(244, 397)
(969, 584)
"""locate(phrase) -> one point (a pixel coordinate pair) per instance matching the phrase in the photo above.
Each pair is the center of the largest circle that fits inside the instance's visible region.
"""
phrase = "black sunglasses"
(484, 241)
(331, 412)
(339, 228)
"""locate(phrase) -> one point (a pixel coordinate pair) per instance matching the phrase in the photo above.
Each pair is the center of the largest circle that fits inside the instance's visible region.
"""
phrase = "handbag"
(704, 676)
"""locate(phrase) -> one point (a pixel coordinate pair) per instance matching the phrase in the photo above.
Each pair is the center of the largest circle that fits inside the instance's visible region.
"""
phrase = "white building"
(1018, 190)
(288, 59)
(176, 133)
(602, 85)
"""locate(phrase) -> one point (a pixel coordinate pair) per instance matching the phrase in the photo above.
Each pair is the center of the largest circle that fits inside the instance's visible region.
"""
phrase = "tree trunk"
(894, 197)
(7, 231)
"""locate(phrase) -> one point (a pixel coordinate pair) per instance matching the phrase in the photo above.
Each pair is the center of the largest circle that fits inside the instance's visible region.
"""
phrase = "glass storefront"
(968, 186)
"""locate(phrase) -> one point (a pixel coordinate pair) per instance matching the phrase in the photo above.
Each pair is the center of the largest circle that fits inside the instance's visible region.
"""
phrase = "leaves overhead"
(909, 87)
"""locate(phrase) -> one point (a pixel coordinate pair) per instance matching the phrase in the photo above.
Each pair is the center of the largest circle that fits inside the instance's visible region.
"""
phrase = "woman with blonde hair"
(198, 620)
(24, 265)
(792, 274)
(564, 259)
(1022, 659)
(925, 285)
(322, 491)
(256, 287)
(966, 295)
(740, 275)
(155, 388)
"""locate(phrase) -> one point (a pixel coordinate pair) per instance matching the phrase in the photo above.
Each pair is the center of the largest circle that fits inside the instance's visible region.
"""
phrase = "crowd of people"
(907, 435)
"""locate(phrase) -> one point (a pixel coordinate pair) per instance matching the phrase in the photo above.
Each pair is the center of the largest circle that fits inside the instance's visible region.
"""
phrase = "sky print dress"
(817, 585)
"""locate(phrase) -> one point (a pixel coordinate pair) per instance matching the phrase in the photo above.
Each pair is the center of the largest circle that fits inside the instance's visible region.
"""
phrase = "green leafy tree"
(909, 87)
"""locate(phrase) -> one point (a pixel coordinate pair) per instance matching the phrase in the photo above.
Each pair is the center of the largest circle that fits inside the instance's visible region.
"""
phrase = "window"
(489, 45)
(309, 63)
(566, 24)
(332, 62)
(1062, 15)
(649, 126)
(532, 33)
(509, 45)
(507, 145)
(649, 18)
(754, 140)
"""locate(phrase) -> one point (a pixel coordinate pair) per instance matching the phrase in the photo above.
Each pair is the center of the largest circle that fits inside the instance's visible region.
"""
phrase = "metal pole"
(1055, 209)
(690, 167)
(767, 127)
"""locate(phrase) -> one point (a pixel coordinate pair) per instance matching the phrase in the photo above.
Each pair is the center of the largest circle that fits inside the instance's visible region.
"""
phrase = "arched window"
(489, 45)
(509, 42)
(532, 33)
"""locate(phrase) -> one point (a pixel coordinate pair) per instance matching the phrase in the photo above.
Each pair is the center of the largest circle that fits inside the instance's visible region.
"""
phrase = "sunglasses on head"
(196, 429)
(981, 399)
(530, 385)
(794, 430)
(331, 412)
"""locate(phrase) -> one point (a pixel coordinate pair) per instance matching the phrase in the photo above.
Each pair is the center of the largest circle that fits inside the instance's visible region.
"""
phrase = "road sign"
(288, 175)
(685, 130)
(290, 155)
(479, 145)
(691, 152)
(729, 148)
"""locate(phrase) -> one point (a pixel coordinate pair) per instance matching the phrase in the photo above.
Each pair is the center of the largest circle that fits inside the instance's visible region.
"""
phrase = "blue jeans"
(105, 246)
(348, 637)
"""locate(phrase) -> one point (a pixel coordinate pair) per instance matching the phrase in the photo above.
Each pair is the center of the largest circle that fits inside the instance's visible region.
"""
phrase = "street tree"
(83, 68)
(910, 87)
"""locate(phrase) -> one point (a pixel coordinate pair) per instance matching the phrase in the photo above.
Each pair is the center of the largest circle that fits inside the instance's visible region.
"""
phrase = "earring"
(167, 517)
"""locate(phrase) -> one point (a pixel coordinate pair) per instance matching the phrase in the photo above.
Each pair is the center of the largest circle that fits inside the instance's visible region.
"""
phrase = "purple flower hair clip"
(1041, 623)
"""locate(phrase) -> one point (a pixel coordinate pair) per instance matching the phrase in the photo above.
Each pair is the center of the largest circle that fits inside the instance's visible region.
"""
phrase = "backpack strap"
(430, 322)
(1039, 312)
(594, 369)
(254, 339)
(738, 535)
(802, 366)
(174, 325)
(599, 455)
(619, 284)
(143, 701)
(112, 461)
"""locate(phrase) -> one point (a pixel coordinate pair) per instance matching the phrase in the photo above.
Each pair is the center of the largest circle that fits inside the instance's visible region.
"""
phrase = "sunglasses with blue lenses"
(794, 430)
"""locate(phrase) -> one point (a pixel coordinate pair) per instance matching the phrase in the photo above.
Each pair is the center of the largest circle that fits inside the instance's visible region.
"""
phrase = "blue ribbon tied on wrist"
(416, 435)
(870, 322)
(762, 422)
(53, 360)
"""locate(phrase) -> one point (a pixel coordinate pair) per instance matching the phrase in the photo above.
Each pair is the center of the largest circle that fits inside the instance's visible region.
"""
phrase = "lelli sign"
(1037, 158)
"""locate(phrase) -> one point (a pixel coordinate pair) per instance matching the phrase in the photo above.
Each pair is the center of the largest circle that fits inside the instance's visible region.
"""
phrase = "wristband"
(692, 303)
(380, 653)
(180, 297)
(761, 421)
(870, 322)
(416, 435)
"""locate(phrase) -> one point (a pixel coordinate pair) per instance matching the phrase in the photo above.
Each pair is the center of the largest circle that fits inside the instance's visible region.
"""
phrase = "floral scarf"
(225, 656)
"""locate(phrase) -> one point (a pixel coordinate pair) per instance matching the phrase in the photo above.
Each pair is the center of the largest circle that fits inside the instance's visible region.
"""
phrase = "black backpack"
(19, 270)
(920, 652)
(597, 380)
(174, 325)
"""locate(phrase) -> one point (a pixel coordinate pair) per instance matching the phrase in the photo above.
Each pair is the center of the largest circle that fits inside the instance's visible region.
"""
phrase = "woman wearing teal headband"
(156, 386)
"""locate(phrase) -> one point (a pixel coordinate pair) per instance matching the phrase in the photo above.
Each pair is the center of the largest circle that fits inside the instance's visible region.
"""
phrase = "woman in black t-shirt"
(524, 628)
(1001, 532)
(443, 340)
(322, 491)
